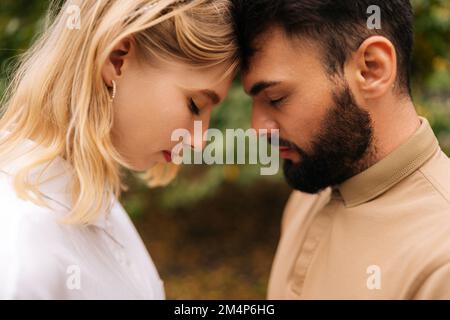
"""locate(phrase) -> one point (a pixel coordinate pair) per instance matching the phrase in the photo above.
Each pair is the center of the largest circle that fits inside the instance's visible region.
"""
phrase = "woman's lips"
(167, 155)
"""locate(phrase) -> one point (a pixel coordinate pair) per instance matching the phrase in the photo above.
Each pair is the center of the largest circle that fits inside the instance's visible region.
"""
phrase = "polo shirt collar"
(398, 165)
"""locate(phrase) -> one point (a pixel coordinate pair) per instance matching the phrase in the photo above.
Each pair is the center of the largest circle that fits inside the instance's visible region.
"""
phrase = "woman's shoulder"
(30, 239)
(13, 208)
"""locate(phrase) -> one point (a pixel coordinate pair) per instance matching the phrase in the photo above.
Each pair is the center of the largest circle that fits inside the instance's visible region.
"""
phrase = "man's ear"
(117, 60)
(375, 67)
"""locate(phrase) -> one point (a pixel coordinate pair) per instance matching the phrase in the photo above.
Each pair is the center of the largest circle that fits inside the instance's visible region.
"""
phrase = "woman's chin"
(142, 165)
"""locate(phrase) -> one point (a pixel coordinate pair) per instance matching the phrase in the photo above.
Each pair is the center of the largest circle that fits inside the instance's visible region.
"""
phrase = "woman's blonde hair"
(57, 96)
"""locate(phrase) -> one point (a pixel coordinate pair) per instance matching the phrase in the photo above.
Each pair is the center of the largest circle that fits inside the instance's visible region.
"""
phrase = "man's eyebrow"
(262, 85)
(212, 95)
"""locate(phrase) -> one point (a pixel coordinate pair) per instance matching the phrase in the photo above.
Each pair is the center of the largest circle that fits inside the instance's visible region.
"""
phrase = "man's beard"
(342, 149)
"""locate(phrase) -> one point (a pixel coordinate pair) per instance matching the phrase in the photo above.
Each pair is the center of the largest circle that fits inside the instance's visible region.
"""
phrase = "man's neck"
(393, 125)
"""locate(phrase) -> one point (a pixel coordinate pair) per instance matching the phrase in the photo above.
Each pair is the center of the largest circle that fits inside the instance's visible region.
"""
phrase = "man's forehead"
(272, 41)
(271, 60)
(279, 57)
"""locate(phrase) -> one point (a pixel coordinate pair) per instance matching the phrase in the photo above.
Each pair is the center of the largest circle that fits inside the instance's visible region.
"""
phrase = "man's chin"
(298, 179)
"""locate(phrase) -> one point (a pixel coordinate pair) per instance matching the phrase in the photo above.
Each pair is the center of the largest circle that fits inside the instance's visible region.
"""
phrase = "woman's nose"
(200, 132)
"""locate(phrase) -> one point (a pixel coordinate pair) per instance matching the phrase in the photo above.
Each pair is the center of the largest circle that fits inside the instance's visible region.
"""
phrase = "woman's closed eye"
(195, 110)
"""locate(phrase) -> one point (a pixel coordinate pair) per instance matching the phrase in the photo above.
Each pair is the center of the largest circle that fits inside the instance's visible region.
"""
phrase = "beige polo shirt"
(382, 234)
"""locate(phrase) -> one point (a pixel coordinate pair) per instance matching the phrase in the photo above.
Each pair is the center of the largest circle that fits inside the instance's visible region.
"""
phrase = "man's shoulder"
(436, 174)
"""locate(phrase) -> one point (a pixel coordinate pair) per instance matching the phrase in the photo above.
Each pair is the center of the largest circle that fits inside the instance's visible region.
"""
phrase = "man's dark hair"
(338, 26)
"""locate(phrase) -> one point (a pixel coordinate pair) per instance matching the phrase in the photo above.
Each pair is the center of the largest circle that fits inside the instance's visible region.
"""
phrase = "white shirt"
(40, 258)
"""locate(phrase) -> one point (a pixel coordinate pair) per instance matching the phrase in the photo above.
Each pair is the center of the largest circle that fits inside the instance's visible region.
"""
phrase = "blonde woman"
(97, 93)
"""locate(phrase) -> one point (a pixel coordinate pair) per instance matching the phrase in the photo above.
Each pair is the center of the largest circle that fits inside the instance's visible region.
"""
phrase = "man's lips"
(167, 155)
(286, 152)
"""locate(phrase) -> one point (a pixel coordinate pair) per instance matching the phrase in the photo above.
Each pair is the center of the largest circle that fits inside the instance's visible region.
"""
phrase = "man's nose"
(261, 120)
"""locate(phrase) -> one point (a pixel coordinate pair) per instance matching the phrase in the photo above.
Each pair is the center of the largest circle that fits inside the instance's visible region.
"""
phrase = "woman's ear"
(117, 59)
(375, 67)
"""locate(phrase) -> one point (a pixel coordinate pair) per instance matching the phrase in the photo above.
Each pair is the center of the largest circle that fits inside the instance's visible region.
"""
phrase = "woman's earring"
(114, 90)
